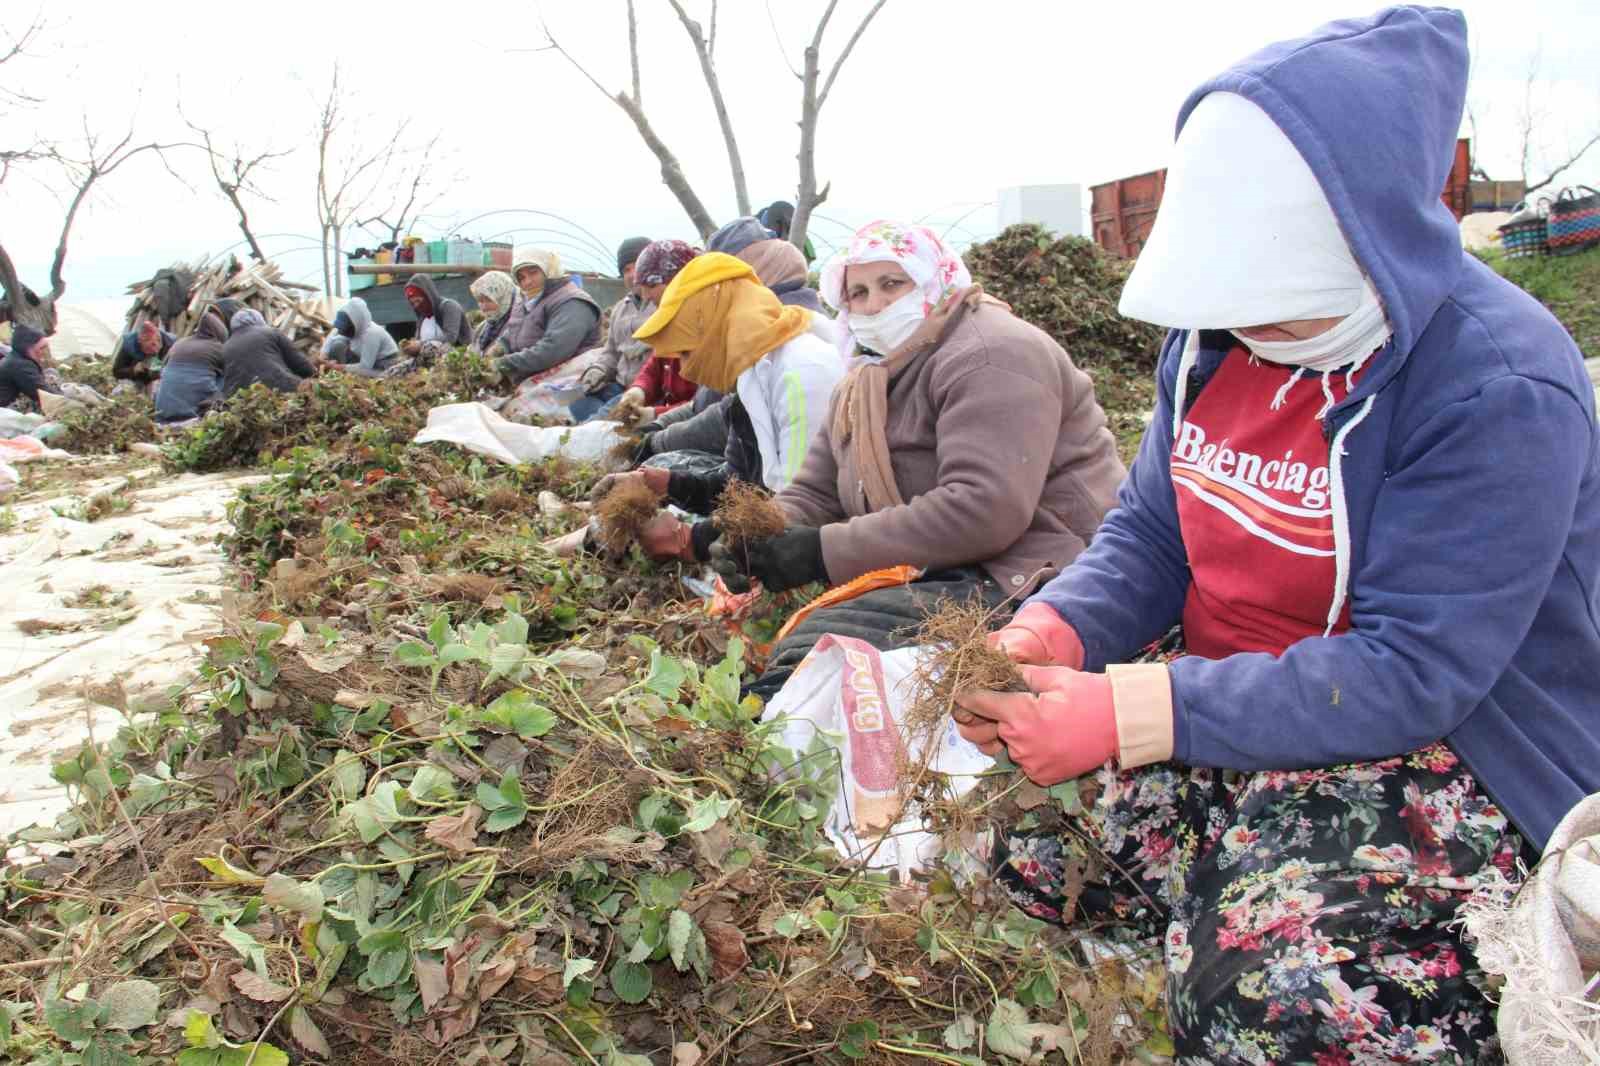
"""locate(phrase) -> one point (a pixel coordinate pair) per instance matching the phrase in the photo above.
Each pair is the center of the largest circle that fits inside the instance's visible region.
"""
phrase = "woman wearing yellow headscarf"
(732, 335)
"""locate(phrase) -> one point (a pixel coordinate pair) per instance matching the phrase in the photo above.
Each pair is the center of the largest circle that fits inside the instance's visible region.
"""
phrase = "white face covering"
(1349, 343)
(1245, 235)
(887, 330)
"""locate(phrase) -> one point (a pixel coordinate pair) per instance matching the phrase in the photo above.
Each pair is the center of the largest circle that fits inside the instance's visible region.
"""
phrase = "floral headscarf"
(660, 262)
(496, 285)
(921, 254)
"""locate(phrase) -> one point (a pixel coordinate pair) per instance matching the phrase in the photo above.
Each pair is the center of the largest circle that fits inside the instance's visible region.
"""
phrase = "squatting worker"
(1371, 495)
(963, 442)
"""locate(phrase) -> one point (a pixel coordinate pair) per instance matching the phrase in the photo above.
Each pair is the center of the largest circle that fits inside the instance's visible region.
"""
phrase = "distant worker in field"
(441, 323)
(358, 345)
(192, 380)
(256, 352)
(141, 354)
(554, 320)
(1371, 496)
(24, 372)
(496, 295)
(778, 216)
(620, 359)
(964, 444)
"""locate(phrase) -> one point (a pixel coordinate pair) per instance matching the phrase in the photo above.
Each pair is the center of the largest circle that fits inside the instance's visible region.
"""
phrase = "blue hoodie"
(1470, 473)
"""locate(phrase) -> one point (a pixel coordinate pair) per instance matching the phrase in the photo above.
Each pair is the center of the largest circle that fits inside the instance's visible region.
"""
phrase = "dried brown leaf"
(260, 988)
(455, 832)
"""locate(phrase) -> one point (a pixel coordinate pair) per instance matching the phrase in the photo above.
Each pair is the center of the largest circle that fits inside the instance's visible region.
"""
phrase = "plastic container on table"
(438, 251)
(498, 254)
(419, 252)
(465, 253)
(362, 281)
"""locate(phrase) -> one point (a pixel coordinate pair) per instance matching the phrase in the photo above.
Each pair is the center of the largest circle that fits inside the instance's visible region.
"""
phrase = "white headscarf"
(1245, 235)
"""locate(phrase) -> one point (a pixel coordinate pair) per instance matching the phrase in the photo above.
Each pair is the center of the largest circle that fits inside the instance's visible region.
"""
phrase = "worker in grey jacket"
(555, 320)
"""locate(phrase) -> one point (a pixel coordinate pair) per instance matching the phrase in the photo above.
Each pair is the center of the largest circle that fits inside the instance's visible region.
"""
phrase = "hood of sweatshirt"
(211, 328)
(361, 317)
(425, 284)
(1381, 147)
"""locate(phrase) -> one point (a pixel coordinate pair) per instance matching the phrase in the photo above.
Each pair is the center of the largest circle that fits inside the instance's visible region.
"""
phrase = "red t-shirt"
(1256, 510)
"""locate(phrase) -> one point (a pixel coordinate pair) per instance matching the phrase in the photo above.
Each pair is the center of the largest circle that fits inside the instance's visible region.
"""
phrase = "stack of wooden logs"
(284, 304)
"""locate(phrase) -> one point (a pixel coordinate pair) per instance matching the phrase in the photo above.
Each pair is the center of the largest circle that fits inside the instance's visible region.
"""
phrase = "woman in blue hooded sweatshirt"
(1371, 496)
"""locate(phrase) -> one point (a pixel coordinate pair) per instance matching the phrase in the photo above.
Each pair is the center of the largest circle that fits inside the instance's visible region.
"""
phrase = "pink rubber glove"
(1063, 729)
(1038, 636)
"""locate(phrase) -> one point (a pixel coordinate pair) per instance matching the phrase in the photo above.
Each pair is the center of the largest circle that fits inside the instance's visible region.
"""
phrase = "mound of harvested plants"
(624, 512)
(746, 513)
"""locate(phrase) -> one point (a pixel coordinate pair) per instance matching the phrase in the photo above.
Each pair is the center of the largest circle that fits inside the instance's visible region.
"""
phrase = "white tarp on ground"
(162, 553)
(478, 429)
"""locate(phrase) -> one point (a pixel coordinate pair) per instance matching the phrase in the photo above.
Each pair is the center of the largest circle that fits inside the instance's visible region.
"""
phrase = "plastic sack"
(28, 450)
(15, 423)
(850, 696)
(550, 393)
(478, 429)
(1545, 942)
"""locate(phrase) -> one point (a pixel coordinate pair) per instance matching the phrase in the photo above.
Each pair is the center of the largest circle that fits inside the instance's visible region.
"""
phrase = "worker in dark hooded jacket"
(554, 321)
(358, 345)
(256, 352)
(22, 372)
(441, 323)
(192, 380)
(1371, 495)
(141, 353)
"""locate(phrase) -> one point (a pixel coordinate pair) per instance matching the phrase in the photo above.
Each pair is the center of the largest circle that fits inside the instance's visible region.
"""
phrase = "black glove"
(789, 560)
(645, 449)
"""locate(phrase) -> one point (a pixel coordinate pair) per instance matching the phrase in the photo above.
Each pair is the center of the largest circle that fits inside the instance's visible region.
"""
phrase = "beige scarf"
(862, 414)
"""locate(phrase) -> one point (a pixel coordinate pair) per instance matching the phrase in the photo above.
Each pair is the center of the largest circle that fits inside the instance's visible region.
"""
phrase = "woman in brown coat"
(963, 443)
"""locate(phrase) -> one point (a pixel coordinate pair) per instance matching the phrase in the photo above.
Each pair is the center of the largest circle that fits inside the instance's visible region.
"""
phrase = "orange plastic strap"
(888, 577)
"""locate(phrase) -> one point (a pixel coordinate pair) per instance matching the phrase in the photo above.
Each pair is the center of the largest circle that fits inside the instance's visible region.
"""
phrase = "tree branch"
(1557, 171)
(702, 49)
(633, 53)
(671, 171)
(848, 48)
(811, 102)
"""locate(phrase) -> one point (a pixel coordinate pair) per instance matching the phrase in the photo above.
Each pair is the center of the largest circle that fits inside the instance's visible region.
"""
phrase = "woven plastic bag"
(847, 698)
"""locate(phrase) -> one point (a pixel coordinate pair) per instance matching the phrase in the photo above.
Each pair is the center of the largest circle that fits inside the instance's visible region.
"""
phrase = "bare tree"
(231, 170)
(348, 175)
(96, 162)
(412, 193)
(14, 98)
(633, 106)
(705, 48)
(811, 104)
(1531, 119)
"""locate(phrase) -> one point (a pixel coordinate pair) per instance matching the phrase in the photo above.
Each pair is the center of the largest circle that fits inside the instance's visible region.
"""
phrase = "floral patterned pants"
(1306, 913)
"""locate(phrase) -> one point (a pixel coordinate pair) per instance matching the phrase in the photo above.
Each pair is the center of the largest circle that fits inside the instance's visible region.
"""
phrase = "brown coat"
(1000, 448)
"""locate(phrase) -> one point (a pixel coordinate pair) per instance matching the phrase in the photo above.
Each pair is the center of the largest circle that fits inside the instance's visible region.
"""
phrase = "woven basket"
(1524, 236)
(1574, 223)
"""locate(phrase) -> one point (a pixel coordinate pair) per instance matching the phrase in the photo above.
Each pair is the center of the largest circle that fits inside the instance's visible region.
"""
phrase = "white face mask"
(1352, 340)
(887, 330)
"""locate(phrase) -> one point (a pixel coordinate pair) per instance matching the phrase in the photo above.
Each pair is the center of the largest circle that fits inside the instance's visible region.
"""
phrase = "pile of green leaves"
(91, 370)
(257, 424)
(109, 427)
(1069, 287)
(391, 824)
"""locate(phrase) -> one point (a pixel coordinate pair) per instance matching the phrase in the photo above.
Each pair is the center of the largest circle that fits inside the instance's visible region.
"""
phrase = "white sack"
(853, 696)
(478, 429)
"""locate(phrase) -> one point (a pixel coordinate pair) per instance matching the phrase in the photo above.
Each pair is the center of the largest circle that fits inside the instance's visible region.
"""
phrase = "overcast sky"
(942, 104)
